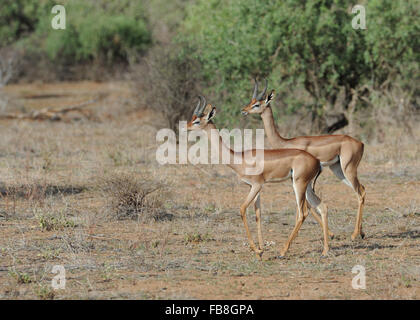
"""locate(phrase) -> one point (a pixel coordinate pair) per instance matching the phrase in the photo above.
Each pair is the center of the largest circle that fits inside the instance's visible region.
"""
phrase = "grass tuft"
(49, 221)
(129, 197)
(20, 277)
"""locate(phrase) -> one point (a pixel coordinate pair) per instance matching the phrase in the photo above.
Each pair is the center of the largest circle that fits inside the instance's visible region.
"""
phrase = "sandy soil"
(55, 169)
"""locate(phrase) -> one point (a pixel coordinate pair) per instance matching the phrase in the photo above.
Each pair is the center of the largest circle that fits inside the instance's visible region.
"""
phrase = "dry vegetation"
(89, 195)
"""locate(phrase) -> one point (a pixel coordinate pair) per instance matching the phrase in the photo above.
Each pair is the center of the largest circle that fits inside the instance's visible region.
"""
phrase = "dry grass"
(72, 175)
(135, 197)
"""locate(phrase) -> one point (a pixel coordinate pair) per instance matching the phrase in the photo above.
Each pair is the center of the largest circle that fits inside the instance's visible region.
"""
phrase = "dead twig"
(54, 114)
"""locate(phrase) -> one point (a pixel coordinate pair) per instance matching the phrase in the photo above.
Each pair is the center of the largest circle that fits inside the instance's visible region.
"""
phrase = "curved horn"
(262, 94)
(198, 106)
(254, 94)
(204, 104)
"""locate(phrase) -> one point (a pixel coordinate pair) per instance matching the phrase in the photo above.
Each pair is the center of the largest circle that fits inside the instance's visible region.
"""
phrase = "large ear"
(210, 111)
(270, 97)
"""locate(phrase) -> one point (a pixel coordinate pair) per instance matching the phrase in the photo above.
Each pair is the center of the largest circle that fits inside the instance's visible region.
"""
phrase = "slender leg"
(324, 215)
(346, 171)
(255, 189)
(303, 213)
(361, 193)
(315, 202)
(318, 218)
(257, 207)
(350, 172)
(313, 212)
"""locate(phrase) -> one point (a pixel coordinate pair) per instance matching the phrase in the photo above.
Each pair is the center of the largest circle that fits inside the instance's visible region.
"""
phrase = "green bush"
(392, 41)
(95, 32)
(104, 30)
(20, 18)
(300, 45)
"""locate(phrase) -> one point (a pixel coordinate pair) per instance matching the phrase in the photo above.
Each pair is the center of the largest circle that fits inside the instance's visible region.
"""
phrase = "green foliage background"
(302, 44)
(106, 30)
(306, 48)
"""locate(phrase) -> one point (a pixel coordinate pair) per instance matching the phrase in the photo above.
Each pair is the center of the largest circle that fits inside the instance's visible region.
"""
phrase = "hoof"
(324, 255)
(259, 254)
(355, 236)
(332, 235)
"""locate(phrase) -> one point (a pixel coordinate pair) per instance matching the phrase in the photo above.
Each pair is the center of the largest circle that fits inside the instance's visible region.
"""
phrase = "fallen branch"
(54, 114)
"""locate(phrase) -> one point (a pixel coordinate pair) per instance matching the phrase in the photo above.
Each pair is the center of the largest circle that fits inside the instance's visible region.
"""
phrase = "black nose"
(244, 113)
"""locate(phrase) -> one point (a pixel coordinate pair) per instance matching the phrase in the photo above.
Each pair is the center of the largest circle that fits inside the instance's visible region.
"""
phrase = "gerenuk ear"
(211, 113)
(270, 97)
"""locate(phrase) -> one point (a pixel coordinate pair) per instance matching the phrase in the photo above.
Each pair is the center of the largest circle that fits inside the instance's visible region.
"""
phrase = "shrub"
(20, 18)
(135, 198)
(308, 45)
(95, 30)
(171, 85)
(103, 31)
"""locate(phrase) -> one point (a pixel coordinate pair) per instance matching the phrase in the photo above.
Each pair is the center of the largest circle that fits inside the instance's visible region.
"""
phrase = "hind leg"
(347, 172)
(324, 214)
(319, 220)
(315, 202)
(361, 194)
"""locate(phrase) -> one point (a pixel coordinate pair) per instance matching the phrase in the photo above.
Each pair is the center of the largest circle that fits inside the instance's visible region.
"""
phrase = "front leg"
(255, 189)
(257, 207)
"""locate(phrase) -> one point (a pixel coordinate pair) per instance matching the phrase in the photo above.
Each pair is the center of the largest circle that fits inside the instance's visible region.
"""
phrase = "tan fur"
(277, 164)
(325, 148)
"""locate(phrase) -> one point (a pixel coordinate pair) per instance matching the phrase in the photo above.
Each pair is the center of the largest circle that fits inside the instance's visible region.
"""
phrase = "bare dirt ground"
(53, 211)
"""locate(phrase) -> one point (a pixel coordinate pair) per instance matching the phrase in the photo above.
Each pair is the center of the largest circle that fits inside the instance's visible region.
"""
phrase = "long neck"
(215, 139)
(270, 128)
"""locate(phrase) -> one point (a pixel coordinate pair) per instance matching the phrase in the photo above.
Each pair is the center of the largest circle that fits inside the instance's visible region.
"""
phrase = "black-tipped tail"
(316, 177)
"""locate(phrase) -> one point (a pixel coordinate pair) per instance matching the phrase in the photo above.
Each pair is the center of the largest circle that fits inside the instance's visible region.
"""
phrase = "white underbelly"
(331, 162)
(276, 180)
